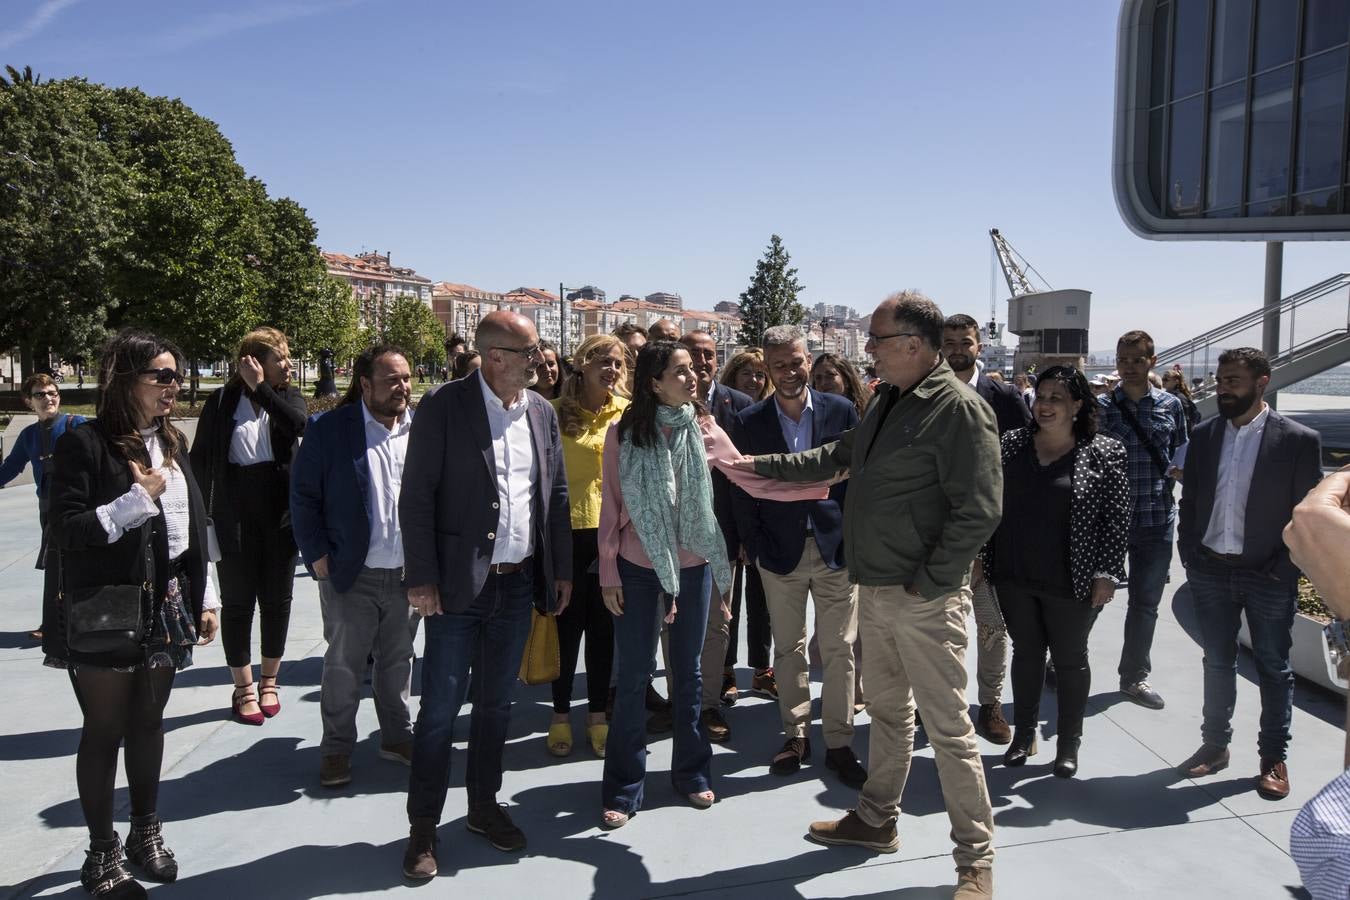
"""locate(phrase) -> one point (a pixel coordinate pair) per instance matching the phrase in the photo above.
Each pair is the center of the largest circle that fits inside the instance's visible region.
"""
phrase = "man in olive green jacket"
(925, 493)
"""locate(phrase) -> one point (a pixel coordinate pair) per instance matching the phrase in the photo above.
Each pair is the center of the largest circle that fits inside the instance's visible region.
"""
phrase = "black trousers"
(261, 574)
(585, 615)
(758, 632)
(1039, 620)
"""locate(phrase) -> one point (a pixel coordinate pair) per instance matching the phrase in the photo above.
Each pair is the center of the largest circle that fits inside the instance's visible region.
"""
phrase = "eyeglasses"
(877, 338)
(41, 395)
(165, 376)
(528, 352)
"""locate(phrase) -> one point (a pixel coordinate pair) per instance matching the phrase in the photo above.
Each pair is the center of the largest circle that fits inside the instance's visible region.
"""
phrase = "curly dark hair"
(639, 417)
(1076, 383)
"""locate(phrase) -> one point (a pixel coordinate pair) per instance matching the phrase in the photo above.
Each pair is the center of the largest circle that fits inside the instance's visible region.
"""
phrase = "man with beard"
(1151, 424)
(487, 537)
(724, 403)
(1246, 469)
(798, 548)
(344, 511)
(961, 347)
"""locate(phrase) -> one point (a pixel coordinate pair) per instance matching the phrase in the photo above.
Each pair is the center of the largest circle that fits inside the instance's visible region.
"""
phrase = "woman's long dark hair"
(639, 417)
(120, 365)
(1076, 383)
(853, 386)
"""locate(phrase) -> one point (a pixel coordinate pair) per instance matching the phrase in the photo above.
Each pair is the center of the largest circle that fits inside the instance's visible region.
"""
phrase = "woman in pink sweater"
(660, 552)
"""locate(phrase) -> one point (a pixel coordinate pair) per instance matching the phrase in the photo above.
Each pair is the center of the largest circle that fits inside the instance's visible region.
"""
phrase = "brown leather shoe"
(974, 883)
(335, 771)
(764, 683)
(715, 726)
(419, 860)
(795, 751)
(991, 725)
(853, 831)
(1274, 781)
(1205, 761)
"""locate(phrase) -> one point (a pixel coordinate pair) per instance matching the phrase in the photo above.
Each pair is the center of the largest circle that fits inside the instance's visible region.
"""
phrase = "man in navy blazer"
(1245, 471)
(345, 485)
(487, 537)
(797, 547)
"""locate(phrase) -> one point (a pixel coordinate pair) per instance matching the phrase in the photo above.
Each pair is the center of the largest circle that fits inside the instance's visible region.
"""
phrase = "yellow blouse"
(583, 455)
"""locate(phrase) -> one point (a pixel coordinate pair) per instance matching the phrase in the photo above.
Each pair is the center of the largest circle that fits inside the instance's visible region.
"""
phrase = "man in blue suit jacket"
(797, 547)
(345, 485)
(1245, 471)
(487, 537)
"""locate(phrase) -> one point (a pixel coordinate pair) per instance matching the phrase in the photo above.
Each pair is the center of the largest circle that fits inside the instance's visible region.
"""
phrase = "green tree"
(771, 298)
(293, 276)
(335, 322)
(414, 327)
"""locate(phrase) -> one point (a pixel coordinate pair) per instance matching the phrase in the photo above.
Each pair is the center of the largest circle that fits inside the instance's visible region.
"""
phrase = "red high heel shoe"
(243, 694)
(269, 709)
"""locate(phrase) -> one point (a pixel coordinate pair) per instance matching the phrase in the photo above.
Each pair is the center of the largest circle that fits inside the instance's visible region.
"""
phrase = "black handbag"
(107, 620)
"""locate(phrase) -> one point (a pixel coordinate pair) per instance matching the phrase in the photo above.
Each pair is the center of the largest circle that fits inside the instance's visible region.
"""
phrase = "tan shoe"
(851, 830)
(974, 883)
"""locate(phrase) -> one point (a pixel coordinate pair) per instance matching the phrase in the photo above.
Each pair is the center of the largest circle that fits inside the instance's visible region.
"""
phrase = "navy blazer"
(448, 508)
(330, 494)
(1009, 408)
(774, 531)
(725, 403)
(1288, 465)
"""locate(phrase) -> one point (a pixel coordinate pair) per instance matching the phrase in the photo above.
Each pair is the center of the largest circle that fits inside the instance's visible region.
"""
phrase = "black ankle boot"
(1023, 745)
(1066, 757)
(146, 850)
(105, 873)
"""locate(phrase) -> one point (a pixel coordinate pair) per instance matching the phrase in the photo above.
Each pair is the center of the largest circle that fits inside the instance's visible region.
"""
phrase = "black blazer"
(774, 531)
(211, 450)
(448, 508)
(90, 472)
(725, 403)
(1099, 515)
(1009, 408)
(1288, 464)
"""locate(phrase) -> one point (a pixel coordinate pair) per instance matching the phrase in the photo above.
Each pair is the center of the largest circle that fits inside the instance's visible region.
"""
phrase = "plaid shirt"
(1319, 841)
(1163, 419)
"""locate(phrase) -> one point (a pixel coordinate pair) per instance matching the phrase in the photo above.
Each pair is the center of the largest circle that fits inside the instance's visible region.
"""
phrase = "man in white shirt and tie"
(1246, 469)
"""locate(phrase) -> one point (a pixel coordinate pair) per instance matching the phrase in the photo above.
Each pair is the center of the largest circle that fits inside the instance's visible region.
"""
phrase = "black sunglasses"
(165, 376)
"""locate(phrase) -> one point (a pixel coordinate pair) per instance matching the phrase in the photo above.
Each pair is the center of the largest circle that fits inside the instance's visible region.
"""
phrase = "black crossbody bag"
(1147, 441)
(110, 619)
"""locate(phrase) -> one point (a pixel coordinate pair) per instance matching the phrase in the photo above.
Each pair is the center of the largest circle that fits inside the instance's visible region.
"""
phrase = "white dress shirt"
(1237, 464)
(251, 441)
(385, 451)
(516, 469)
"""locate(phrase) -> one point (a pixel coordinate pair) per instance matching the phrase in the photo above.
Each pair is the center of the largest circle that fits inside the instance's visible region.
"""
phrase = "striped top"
(1320, 841)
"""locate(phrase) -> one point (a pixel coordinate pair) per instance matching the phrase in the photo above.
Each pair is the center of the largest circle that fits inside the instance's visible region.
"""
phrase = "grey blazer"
(448, 507)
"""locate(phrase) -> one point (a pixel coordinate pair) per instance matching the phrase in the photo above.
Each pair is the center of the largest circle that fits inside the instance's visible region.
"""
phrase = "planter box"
(1308, 656)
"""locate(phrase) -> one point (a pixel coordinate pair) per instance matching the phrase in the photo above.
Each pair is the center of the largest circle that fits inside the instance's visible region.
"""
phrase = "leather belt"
(1228, 559)
(510, 568)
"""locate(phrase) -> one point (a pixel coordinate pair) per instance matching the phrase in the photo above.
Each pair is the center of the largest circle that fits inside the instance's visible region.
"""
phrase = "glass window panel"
(1155, 155)
(1325, 24)
(1321, 119)
(1317, 203)
(1275, 23)
(1158, 68)
(1229, 213)
(1188, 48)
(1232, 32)
(1227, 131)
(1183, 158)
(1268, 165)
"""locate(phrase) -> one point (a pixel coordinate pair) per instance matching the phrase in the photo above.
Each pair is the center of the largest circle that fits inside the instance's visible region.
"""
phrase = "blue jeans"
(644, 604)
(489, 638)
(1221, 594)
(1150, 557)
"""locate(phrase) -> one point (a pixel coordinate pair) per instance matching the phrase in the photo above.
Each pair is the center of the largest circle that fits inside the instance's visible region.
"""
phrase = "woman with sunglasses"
(661, 553)
(35, 445)
(1058, 554)
(123, 495)
(246, 437)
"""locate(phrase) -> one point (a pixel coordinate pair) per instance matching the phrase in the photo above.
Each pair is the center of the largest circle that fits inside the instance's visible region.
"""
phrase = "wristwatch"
(1337, 636)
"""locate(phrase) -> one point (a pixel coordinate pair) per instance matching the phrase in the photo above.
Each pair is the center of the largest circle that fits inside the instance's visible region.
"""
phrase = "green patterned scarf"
(668, 492)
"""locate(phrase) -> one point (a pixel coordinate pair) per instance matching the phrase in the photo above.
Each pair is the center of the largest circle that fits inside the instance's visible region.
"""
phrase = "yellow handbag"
(542, 662)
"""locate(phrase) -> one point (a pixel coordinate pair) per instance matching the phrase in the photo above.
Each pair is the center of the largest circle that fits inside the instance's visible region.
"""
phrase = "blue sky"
(644, 147)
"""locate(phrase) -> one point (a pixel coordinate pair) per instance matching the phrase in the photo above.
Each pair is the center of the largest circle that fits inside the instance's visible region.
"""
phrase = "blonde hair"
(751, 357)
(261, 341)
(569, 397)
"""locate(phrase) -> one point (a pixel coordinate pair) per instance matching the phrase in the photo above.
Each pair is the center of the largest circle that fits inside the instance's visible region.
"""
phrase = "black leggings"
(585, 614)
(262, 572)
(119, 707)
(1039, 620)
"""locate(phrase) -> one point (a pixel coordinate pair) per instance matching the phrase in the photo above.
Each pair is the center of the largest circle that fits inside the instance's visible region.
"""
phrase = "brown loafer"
(991, 725)
(1274, 781)
(1205, 761)
(795, 751)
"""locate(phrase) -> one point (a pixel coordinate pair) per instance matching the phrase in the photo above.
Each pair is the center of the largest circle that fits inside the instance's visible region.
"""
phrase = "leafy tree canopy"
(771, 298)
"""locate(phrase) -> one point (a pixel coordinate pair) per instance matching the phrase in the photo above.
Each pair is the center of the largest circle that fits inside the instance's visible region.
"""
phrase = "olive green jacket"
(925, 498)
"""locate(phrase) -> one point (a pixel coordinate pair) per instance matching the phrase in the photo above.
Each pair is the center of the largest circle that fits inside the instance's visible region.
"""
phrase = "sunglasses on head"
(165, 376)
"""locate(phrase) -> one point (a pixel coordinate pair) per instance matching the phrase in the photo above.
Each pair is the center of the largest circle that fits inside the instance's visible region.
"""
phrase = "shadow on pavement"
(65, 741)
(18, 640)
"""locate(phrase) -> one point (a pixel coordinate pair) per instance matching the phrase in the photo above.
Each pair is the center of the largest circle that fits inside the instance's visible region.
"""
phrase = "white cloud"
(46, 11)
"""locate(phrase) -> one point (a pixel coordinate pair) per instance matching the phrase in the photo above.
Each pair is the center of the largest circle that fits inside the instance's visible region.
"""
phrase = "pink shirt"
(617, 536)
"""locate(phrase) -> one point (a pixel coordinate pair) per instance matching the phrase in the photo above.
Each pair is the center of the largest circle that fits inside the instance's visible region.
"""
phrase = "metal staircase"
(1314, 337)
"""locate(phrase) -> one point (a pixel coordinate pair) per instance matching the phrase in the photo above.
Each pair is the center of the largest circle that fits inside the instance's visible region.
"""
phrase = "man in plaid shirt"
(1132, 409)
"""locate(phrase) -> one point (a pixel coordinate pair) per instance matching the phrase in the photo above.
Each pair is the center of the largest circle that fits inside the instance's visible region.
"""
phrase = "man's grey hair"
(782, 336)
